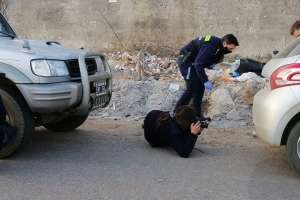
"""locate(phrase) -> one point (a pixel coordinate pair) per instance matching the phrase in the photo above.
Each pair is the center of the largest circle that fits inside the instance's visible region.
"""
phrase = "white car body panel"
(274, 109)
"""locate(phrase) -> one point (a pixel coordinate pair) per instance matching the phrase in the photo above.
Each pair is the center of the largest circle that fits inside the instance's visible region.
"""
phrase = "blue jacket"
(203, 54)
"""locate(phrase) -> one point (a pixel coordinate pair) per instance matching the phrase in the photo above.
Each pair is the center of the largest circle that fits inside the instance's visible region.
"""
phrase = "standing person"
(295, 29)
(178, 130)
(201, 53)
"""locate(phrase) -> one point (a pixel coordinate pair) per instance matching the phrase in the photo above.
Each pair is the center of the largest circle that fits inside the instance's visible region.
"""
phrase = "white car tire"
(293, 147)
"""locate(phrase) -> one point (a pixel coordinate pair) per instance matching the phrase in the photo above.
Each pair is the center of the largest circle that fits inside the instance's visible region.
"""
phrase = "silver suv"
(276, 108)
(44, 84)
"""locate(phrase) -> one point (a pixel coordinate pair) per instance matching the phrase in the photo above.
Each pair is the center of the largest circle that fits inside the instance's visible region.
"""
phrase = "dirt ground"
(107, 159)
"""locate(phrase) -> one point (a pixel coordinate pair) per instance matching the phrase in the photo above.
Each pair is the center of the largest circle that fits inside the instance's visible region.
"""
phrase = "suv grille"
(73, 67)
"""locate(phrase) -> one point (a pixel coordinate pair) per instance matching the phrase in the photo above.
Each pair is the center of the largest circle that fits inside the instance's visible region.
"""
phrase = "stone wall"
(261, 25)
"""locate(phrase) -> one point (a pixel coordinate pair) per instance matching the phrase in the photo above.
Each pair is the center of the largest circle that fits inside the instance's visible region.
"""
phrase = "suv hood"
(38, 49)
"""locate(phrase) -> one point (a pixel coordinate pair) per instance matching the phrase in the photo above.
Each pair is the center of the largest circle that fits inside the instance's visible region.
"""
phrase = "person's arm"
(184, 143)
(188, 47)
(203, 60)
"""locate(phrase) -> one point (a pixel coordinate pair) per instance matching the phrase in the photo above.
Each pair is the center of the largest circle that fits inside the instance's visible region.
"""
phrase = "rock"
(106, 114)
(249, 76)
(163, 98)
(234, 115)
(214, 75)
(174, 87)
(251, 88)
(221, 102)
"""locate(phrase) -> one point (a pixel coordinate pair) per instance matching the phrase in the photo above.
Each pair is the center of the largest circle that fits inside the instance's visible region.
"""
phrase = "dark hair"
(230, 39)
(184, 116)
(294, 27)
(163, 119)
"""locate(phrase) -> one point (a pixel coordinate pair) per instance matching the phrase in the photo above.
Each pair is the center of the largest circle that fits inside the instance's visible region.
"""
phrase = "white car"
(276, 108)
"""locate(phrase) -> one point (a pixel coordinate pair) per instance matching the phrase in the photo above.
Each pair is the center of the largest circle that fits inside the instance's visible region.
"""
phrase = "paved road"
(110, 160)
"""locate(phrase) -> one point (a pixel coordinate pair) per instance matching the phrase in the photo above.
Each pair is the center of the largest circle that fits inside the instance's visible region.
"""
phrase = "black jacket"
(203, 54)
(169, 134)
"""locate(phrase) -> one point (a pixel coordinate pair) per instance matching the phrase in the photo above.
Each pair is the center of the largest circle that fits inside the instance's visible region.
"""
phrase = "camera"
(204, 124)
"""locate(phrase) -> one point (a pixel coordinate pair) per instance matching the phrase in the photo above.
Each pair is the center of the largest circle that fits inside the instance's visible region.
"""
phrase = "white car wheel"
(298, 147)
(293, 147)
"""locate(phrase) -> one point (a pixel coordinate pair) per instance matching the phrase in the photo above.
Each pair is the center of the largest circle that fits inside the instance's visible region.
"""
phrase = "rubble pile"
(163, 68)
(134, 99)
(229, 104)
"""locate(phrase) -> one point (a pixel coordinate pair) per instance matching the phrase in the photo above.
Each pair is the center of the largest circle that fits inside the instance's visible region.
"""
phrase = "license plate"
(100, 87)
(100, 101)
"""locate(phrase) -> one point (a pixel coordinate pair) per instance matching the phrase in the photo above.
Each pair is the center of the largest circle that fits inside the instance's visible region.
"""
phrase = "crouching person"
(179, 130)
(7, 132)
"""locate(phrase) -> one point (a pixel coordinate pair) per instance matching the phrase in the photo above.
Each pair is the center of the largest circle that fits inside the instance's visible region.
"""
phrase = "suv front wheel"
(293, 147)
(18, 116)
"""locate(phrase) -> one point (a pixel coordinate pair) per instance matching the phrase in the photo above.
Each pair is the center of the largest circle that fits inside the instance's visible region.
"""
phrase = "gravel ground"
(107, 159)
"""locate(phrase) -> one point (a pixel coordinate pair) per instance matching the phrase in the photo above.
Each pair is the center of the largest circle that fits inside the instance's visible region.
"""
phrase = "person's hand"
(208, 86)
(196, 128)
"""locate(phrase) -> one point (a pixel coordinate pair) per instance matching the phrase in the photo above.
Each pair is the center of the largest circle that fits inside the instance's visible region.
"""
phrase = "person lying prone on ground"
(179, 130)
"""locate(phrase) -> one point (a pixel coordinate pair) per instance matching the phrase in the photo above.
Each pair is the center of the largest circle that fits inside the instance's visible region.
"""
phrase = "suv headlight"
(49, 68)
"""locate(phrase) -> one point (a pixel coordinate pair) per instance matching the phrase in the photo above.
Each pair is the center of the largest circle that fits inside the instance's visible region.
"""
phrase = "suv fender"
(13, 74)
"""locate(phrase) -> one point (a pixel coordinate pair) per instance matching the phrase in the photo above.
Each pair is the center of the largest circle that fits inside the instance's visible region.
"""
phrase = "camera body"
(204, 124)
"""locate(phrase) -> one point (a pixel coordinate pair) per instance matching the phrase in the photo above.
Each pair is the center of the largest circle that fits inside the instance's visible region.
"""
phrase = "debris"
(250, 65)
(174, 87)
(221, 102)
(144, 82)
(249, 76)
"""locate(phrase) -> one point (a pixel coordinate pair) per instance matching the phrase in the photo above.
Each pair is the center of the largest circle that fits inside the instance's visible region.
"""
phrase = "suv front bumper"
(69, 96)
(65, 96)
(49, 98)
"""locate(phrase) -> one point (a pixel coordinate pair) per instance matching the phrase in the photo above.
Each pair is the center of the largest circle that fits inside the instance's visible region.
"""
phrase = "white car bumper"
(272, 110)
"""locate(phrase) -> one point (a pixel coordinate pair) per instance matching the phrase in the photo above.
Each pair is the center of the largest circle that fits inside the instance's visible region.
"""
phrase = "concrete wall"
(261, 25)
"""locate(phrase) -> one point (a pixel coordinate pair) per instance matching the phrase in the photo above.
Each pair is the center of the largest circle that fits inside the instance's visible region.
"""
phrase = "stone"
(221, 102)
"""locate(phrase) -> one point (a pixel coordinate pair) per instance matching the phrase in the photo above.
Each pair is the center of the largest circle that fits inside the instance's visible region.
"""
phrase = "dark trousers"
(194, 90)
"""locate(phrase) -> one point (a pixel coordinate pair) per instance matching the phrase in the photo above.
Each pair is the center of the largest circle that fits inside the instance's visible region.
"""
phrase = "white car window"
(291, 50)
(295, 51)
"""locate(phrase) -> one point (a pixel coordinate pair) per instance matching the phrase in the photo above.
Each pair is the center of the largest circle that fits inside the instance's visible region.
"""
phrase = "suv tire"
(293, 147)
(67, 124)
(20, 117)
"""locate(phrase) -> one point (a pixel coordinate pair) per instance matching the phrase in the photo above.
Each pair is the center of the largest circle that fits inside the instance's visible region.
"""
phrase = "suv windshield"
(5, 29)
(291, 50)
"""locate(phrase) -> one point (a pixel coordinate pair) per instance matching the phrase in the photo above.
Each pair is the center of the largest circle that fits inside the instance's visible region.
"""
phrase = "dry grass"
(3, 6)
